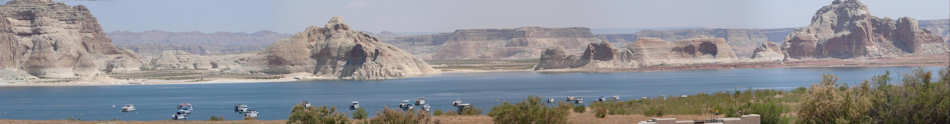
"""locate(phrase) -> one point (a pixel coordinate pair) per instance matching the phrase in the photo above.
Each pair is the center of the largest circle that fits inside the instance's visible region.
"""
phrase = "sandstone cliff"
(517, 43)
(54, 40)
(846, 29)
(743, 41)
(642, 53)
(337, 51)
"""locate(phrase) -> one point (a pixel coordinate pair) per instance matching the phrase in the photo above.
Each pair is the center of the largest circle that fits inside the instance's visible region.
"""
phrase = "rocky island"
(336, 51)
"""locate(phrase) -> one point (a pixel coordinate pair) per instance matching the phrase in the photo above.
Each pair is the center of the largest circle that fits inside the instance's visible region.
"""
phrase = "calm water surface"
(274, 100)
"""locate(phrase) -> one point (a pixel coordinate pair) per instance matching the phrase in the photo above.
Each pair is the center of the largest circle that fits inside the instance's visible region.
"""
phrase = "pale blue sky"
(446, 15)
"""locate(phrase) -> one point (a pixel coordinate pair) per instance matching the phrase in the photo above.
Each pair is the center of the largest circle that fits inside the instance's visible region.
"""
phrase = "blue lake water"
(274, 100)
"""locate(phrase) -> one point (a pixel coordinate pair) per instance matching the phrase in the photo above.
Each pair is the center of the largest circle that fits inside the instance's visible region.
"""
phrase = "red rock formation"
(846, 29)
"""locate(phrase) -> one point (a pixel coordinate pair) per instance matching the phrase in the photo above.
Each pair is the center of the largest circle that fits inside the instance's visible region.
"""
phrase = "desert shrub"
(918, 99)
(390, 116)
(360, 113)
(313, 115)
(654, 111)
(769, 112)
(471, 111)
(600, 112)
(528, 111)
(437, 112)
(580, 109)
(215, 118)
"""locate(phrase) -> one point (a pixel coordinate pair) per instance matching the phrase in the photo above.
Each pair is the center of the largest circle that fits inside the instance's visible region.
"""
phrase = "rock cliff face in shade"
(518, 43)
(743, 41)
(54, 40)
(768, 51)
(846, 29)
(642, 53)
(339, 52)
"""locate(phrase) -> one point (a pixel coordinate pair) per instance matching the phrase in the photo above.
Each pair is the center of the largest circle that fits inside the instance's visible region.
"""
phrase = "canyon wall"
(517, 43)
(48, 39)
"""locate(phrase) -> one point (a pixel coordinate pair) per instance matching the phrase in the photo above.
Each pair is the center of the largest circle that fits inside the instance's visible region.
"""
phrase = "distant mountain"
(152, 43)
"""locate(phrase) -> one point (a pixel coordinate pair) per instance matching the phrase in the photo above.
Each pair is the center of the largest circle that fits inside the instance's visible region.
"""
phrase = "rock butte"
(339, 52)
(846, 29)
(54, 40)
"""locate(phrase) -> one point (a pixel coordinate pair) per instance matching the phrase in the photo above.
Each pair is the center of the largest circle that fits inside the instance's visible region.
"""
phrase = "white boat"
(185, 108)
(576, 100)
(550, 100)
(240, 108)
(180, 116)
(405, 106)
(355, 105)
(251, 114)
(128, 108)
(420, 101)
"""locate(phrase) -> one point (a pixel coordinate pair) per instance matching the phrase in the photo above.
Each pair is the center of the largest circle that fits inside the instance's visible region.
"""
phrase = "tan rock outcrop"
(743, 41)
(691, 51)
(643, 53)
(846, 29)
(54, 40)
(339, 52)
(768, 51)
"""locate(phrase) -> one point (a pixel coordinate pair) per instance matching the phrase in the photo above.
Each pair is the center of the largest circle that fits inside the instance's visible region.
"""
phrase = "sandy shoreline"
(912, 61)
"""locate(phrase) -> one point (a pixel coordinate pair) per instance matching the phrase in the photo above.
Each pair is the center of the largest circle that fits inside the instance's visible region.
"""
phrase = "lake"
(274, 100)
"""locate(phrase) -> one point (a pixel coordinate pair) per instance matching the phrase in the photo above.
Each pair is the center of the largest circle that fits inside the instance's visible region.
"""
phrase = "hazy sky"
(447, 15)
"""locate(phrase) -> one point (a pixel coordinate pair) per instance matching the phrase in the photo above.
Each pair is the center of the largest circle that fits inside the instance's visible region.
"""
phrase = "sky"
(288, 16)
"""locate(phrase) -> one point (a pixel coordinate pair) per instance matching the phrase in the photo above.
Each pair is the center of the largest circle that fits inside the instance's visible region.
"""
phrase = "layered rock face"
(691, 51)
(645, 52)
(743, 41)
(55, 40)
(339, 52)
(846, 29)
(518, 43)
(768, 51)
(597, 55)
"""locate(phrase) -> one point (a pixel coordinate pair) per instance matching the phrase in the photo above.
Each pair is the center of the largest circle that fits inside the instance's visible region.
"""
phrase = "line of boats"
(185, 109)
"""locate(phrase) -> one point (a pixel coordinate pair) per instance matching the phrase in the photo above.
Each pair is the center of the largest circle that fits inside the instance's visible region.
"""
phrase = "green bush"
(390, 116)
(528, 111)
(438, 112)
(769, 112)
(600, 112)
(215, 118)
(471, 111)
(580, 109)
(360, 113)
(918, 99)
(311, 115)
